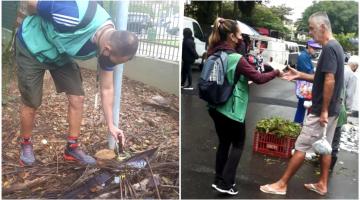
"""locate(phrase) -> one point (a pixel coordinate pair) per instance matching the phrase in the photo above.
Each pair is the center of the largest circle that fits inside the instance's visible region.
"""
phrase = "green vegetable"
(278, 126)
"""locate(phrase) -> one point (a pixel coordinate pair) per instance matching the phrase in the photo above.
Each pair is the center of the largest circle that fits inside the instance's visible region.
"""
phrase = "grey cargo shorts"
(30, 74)
(313, 131)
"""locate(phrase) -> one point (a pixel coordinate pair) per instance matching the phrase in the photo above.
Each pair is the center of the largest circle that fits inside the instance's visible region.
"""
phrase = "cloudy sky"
(298, 6)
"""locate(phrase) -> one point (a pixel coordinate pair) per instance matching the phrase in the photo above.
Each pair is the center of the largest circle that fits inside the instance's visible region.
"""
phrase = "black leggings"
(230, 133)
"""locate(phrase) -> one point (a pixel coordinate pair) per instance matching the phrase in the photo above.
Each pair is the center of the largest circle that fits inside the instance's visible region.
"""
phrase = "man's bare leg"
(72, 151)
(75, 111)
(294, 164)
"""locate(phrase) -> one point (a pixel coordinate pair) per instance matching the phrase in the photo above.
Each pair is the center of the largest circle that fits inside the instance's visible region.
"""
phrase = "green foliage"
(278, 126)
(281, 11)
(344, 40)
(141, 8)
(263, 16)
(204, 12)
(252, 13)
(343, 15)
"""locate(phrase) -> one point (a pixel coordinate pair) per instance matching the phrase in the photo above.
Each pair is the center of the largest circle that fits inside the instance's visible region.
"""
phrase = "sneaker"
(188, 88)
(232, 190)
(216, 183)
(74, 153)
(27, 157)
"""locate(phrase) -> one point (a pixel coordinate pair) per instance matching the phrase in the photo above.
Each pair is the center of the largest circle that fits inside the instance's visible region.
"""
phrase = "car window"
(197, 32)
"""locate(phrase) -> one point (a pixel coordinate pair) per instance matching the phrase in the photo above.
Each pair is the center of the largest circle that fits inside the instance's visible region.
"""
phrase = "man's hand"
(117, 134)
(324, 118)
(291, 74)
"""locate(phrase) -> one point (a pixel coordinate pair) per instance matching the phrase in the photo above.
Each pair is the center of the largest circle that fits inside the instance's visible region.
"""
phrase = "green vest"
(49, 46)
(236, 106)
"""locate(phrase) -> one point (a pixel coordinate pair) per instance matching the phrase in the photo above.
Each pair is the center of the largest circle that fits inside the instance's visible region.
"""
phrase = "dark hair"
(221, 29)
(124, 43)
(187, 33)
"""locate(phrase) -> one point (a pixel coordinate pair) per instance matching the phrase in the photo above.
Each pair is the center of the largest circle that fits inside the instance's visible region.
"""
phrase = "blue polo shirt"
(304, 63)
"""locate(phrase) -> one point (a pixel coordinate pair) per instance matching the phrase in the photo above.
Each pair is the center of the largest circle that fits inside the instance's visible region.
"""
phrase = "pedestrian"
(354, 64)
(328, 83)
(350, 82)
(189, 56)
(229, 118)
(304, 64)
(54, 33)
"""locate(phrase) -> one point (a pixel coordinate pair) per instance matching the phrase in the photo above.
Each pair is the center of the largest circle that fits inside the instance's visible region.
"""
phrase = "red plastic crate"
(270, 144)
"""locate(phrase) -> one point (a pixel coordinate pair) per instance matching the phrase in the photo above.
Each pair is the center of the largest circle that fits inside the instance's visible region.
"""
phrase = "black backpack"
(213, 85)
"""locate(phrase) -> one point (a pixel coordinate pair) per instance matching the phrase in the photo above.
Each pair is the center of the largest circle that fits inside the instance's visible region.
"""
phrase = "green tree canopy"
(343, 15)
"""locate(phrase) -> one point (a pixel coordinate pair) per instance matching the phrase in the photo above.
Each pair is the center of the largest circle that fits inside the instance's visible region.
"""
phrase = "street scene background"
(284, 22)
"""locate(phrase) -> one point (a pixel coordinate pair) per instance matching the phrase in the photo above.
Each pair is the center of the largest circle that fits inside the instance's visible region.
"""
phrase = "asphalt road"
(199, 141)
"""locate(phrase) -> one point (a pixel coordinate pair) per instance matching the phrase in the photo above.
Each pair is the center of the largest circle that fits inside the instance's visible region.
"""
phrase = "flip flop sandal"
(269, 190)
(313, 188)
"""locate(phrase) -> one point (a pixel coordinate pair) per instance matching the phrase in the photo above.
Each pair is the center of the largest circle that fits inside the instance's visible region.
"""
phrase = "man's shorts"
(30, 73)
(313, 131)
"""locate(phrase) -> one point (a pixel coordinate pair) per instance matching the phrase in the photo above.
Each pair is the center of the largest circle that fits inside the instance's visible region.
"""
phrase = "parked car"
(200, 43)
(139, 22)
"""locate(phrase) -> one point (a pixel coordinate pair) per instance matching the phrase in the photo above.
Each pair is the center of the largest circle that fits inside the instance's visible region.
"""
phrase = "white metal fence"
(156, 23)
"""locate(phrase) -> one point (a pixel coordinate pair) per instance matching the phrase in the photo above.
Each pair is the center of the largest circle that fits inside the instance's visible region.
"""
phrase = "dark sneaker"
(218, 182)
(74, 153)
(27, 157)
(230, 190)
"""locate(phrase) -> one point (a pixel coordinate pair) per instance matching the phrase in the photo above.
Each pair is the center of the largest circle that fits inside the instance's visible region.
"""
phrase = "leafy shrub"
(278, 126)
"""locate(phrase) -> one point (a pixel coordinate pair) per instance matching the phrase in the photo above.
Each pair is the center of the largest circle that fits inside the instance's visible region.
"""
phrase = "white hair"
(354, 60)
(321, 18)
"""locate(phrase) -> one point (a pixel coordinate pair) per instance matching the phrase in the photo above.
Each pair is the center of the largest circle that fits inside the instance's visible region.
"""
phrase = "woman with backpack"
(229, 118)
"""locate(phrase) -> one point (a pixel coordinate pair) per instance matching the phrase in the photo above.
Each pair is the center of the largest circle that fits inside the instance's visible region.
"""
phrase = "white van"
(275, 50)
(200, 43)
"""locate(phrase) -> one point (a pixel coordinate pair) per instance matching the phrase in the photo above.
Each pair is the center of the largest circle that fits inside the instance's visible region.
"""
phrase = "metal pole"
(121, 24)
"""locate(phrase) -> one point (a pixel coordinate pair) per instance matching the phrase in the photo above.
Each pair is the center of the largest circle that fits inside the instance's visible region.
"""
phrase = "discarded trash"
(148, 183)
(310, 156)
(139, 164)
(44, 141)
(349, 140)
(117, 179)
(138, 161)
(341, 162)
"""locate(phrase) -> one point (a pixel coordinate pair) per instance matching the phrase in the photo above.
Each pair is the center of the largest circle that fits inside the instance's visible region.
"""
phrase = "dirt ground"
(149, 119)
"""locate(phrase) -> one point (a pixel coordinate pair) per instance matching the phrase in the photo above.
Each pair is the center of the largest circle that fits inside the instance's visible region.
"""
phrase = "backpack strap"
(89, 15)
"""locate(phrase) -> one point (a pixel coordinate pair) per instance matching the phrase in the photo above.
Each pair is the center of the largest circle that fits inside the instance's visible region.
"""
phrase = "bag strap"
(89, 15)
(324, 132)
(236, 75)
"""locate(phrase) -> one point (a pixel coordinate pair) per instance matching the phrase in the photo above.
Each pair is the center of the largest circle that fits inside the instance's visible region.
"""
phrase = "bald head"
(124, 43)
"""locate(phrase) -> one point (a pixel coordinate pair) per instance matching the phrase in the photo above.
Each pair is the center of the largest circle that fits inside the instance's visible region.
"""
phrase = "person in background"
(189, 55)
(350, 82)
(304, 65)
(354, 64)
(229, 118)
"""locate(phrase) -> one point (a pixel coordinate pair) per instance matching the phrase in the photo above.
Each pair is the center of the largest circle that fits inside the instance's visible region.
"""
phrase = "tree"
(263, 16)
(343, 16)
(282, 11)
(344, 40)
